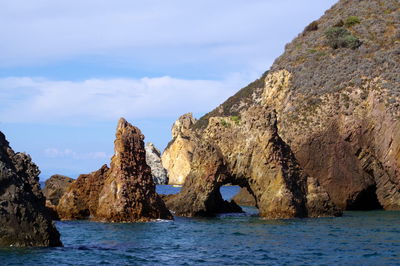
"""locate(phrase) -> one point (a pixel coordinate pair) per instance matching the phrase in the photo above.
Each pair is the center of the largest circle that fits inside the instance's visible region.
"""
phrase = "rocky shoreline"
(316, 135)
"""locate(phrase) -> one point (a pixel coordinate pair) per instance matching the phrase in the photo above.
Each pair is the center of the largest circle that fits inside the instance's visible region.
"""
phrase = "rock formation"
(81, 200)
(23, 217)
(259, 160)
(125, 192)
(244, 198)
(55, 188)
(177, 157)
(153, 159)
(336, 95)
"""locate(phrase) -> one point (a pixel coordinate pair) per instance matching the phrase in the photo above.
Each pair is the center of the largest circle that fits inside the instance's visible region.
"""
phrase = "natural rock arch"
(263, 162)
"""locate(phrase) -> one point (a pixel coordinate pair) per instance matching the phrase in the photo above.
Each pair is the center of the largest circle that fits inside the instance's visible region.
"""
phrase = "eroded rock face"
(200, 195)
(343, 125)
(338, 112)
(81, 200)
(177, 157)
(153, 159)
(23, 217)
(258, 159)
(125, 192)
(55, 188)
(129, 193)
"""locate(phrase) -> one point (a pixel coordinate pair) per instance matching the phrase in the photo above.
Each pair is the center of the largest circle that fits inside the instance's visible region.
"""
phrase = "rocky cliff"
(335, 94)
(177, 157)
(125, 192)
(23, 217)
(259, 160)
(153, 159)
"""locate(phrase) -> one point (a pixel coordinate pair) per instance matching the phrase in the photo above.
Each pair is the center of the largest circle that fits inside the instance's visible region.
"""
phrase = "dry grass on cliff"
(370, 38)
(235, 104)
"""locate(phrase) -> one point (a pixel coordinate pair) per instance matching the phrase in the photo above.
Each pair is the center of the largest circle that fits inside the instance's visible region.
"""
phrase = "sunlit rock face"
(24, 219)
(177, 157)
(337, 116)
(125, 192)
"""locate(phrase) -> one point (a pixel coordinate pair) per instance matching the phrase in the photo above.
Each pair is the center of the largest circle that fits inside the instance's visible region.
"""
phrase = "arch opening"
(236, 190)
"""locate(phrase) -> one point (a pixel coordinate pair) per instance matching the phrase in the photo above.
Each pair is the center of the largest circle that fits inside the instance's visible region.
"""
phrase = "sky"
(69, 69)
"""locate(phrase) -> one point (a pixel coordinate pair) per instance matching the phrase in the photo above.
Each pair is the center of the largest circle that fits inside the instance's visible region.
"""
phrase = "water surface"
(368, 238)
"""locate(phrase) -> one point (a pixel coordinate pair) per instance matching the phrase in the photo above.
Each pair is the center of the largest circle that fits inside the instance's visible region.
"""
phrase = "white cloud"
(43, 100)
(68, 153)
(33, 32)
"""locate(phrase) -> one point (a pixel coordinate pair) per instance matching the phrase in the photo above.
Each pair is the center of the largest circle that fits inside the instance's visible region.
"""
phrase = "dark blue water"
(367, 238)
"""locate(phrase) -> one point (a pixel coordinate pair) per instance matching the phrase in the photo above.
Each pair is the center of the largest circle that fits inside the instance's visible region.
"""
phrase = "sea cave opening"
(366, 200)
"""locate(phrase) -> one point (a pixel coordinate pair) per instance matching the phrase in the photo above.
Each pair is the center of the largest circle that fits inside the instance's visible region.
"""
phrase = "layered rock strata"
(153, 159)
(24, 219)
(125, 192)
(337, 110)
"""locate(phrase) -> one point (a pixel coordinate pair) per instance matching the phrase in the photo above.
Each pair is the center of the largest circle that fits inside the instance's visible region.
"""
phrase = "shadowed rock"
(125, 192)
(81, 200)
(24, 219)
(55, 188)
(153, 159)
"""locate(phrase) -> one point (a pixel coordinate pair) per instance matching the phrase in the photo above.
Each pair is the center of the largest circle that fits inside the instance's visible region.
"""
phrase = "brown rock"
(82, 198)
(258, 159)
(244, 198)
(54, 189)
(337, 111)
(125, 192)
(200, 195)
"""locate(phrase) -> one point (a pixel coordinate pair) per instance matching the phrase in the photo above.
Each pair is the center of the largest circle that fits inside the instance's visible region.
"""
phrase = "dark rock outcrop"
(24, 219)
(125, 192)
(337, 118)
(153, 159)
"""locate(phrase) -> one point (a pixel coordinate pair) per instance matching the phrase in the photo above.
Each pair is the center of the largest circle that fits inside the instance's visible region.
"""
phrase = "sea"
(357, 238)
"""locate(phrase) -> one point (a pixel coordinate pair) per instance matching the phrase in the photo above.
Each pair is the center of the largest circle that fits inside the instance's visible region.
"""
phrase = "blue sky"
(70, 69)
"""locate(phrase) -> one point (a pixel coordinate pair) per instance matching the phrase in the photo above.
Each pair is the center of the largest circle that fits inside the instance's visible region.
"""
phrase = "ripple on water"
(366, 238)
